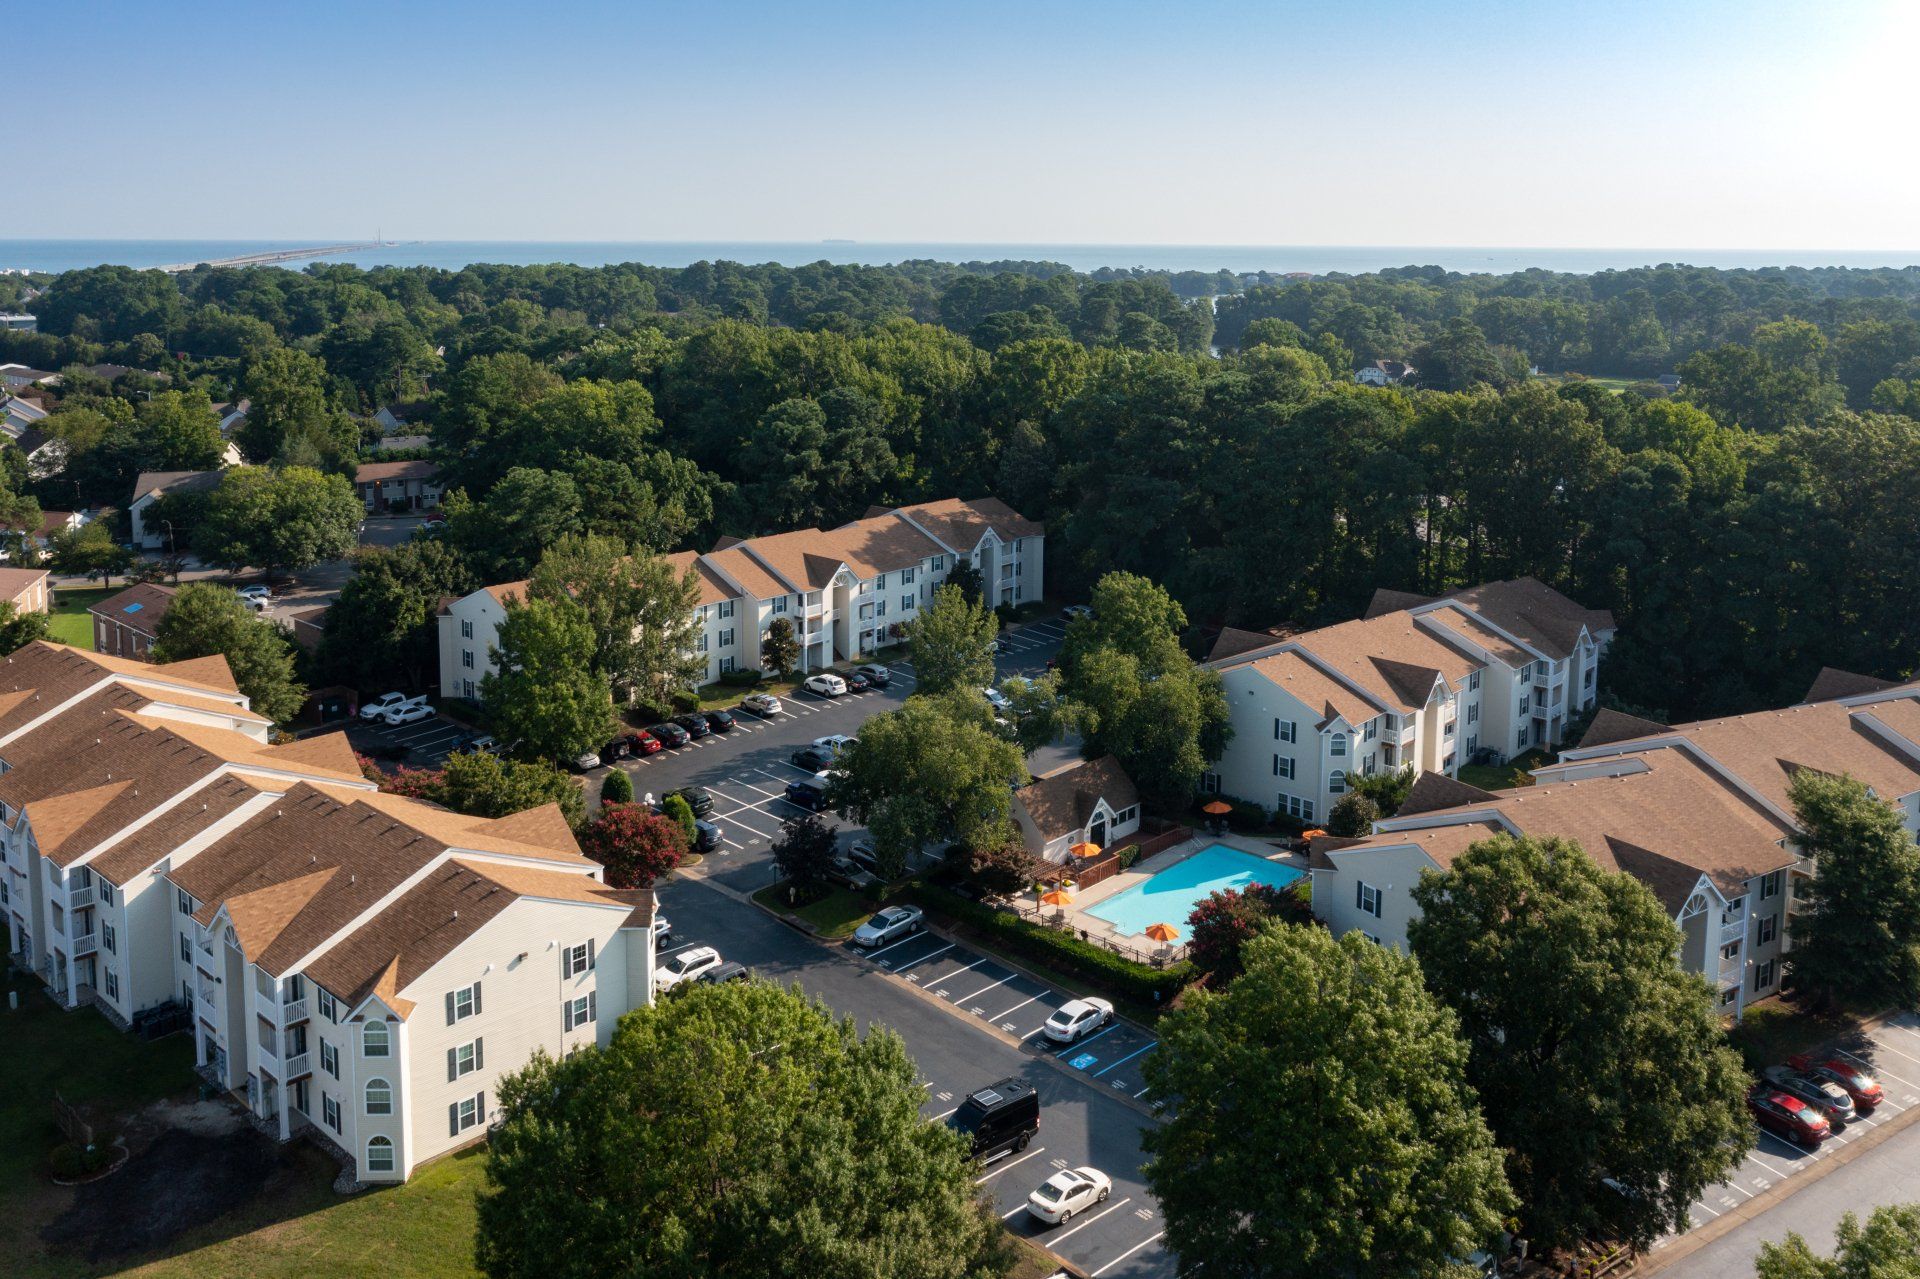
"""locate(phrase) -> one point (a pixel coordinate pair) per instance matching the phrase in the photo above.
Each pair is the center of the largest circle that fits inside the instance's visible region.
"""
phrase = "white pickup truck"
(387, 703)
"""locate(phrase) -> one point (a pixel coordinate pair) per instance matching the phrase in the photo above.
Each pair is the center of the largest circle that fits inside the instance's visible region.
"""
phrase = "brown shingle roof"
(1611, 726)
(1396, 661)
(1831, 684)
(1321, 692)
(140, 851)
(749, 572)
(1063, 800)
(961, 523)
(161, 482)
(42, 675)
(1432, 791)
(1385, 601)
(149, 602)
(378, 472)
(1232, 641)
(15, 582)
(1539, 615)
(713, 588)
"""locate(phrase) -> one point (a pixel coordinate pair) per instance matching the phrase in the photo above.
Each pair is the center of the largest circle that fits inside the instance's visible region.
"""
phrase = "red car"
(1862, 1087)
(1788, 1118)
(642, 743)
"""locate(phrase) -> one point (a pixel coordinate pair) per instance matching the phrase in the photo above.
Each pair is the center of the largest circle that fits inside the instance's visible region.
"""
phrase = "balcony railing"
(85, 944)
(81, 898)
(206, 991)
(297, 1066)
(293, 1012)
(1732, 929)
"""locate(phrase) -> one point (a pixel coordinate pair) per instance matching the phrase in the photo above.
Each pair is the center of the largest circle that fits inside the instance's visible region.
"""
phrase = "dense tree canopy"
(1858, 940)
(206, 619)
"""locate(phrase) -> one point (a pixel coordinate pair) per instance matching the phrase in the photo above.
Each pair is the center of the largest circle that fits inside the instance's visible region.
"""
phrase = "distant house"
(125, 625)
(113, 372)
(1669, 382)
(154, 485)
(17, 377)
(19, 322)
(397, 443)
(1090, 802)
(414, 486)
(18, 414)
(52, 522)
(46, 454)
(24, 588)
(309, 624)
(1385, 373)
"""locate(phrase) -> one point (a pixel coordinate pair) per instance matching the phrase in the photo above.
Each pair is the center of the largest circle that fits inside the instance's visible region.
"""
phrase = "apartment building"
(365, 968)
(1698, 812)
(846, 591)
(110, 770)
(1478, 676)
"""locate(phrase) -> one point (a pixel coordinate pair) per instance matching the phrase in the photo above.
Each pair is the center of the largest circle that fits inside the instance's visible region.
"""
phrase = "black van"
(999, 1118)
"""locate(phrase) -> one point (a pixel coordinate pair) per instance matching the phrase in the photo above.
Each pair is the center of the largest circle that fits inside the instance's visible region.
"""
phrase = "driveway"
(1082, 1120)
(427, 743)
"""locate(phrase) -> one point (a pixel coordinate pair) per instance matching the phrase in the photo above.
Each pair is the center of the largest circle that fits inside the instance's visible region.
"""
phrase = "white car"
(762, 704)
(997, 699)
(1074, 612)
(1067, 1192)
(684, 967)
(834, 743)
(662, 931)
(411, 713)
(889, 925)
(826, 685)
(255, 597)
(381, 705)
(1075, 1018)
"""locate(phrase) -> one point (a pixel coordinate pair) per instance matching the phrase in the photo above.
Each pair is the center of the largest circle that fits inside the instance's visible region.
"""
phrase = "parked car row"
(396, 709)
(696, 964)
(1002, 1119)
(859, 680)
(1812, 1097)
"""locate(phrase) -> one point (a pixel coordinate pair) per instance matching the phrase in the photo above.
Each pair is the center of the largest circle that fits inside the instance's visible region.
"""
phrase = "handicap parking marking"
(1083, 1061)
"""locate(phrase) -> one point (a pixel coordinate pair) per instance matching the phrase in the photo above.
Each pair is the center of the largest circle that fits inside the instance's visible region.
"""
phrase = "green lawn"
(835, 915)
(1775, 1029)
(69, 623)
(1503, 776)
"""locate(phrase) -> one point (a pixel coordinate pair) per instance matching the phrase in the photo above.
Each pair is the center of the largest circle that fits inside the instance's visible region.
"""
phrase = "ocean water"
(67, 255)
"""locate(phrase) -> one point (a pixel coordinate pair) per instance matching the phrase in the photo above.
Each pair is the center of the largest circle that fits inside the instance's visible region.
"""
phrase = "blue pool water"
(1170, 896)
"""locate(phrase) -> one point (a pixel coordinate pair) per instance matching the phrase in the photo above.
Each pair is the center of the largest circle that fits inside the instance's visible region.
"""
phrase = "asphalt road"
(1082, 1120)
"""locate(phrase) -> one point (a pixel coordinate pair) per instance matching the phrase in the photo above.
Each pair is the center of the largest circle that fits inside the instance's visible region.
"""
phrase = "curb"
(1723, 1225)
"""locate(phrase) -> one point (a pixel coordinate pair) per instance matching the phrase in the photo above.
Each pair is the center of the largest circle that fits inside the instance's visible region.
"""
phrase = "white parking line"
(1017, 1007)
(875, 954)
(1882, 1044)
(734, 817)
(1082, 1043)
(1876, 1069)
(1128, 1253)
(943, 1114)
(1056, 1240)
(984, 989)
(956, 972)
(1009, 1212)
(981, 1180)
(924, 958)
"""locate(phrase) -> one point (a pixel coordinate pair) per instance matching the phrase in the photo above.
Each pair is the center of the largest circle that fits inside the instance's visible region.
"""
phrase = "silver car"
(889, 925)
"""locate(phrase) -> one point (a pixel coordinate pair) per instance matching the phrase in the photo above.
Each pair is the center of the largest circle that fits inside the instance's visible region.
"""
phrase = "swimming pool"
(1170, 896)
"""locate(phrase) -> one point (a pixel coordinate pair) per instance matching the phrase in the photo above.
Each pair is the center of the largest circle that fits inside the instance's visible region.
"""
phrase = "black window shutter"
(453, 1067)
(566, 962)
(479, 1054)
(449, 1008)
(589, 954)
(480, 1108)
(476, 998)
(453, 1120)
(1359, 895)
(593, 1006)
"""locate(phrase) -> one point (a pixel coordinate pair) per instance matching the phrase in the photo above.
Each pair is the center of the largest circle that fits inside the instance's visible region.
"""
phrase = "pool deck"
(1095, 928)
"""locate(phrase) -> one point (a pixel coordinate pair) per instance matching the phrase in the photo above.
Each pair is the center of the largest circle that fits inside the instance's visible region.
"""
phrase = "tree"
(289, 404)
(1353, 814)
(1130, 615)
(289, 518)
(485, 785)
(89, 551)
(616, 787)
(1594, 1054)
(1000, 863)
(636, 846)
(503, 535)
(1282, 1078)
(677, 810)
(934, 769)
(18, 629)
(1224, 922)
(953, 643)
(180, 430)
(1858, 940)
(385, 625)
(779, 648)
(1038, 709)
(805, 852)
(1888, 1247)
(206, 619)
(643, 613)
(965, 578)
(1164, 730)
(547, 703)
(750, 1126)
(1389, 790)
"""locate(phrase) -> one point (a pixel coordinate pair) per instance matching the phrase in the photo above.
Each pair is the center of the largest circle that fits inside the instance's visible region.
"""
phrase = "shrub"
(618, 788)
(635, 846)
(1060, 949)
(68, 1161)
(1246, 815)
(1003, 864)
(1353, 815)
(1226, 921)
(1128, 856)
(741, 678)
(680, 812)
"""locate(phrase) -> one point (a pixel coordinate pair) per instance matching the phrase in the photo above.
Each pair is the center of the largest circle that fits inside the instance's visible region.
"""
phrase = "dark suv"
(696, 725)
(697, 799)
(670, 733)
(813, 758)
(999, 1118)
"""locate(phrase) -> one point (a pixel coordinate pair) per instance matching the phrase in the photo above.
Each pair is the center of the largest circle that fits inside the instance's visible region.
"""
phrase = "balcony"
(1729, 975)
(293, 1012)
(297, 1066)
(85, 944)
(81, 898)
(1732, 930)
(206, 990)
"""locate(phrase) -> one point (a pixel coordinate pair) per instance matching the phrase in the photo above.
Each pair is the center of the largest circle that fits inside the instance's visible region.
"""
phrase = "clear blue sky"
(1686, 124)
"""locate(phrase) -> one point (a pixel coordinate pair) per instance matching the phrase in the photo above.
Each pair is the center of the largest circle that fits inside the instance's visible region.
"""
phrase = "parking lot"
(427, 743)
(1892, 1054)
(1113, 1056)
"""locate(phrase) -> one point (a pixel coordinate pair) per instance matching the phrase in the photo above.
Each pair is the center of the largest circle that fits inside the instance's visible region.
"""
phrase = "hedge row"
(1058, 949)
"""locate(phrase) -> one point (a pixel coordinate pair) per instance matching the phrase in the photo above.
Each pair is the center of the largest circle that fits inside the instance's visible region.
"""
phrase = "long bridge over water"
(270, 256)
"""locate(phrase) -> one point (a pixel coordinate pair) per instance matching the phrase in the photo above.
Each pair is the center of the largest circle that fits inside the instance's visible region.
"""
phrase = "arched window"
(1337, 782)
(380, 1155)
(373, 1039)
(1339, 746)
(379, 1097)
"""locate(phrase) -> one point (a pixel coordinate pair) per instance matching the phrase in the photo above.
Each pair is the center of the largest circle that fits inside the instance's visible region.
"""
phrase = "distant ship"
(839, 241)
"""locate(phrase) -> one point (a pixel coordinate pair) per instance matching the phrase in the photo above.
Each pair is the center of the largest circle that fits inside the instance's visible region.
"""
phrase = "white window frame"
(384, 1162)
(1366, 898)
(382, 1107)
(366, 1040)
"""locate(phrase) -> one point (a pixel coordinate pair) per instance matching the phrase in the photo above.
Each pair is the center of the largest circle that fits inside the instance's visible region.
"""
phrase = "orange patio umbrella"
(1085, 850)
(1217, 808)
(1058, 897)
(1163, 932)
(1315, 833)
